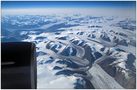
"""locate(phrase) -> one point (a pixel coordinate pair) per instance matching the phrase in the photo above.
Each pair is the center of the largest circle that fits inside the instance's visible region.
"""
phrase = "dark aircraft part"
(18, 65)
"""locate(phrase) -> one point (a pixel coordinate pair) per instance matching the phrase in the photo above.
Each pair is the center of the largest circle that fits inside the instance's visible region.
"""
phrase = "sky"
(66, 4)
(120, 8)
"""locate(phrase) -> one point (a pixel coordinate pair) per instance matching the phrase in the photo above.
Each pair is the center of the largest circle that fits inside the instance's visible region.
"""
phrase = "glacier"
(78, 51)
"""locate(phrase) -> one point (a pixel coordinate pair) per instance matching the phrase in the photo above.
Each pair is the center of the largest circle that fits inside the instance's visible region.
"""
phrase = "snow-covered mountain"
(70, 49)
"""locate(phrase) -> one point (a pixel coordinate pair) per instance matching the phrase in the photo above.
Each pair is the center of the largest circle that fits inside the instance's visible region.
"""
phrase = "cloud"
(128, 12)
